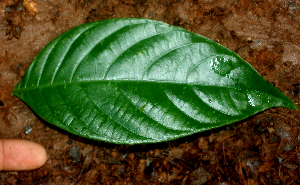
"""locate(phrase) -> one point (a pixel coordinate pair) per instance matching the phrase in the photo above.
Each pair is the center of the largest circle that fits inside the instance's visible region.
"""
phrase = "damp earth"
(262, 149)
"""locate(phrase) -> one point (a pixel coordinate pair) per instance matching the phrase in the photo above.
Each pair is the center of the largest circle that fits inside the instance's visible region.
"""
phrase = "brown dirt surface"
(262, 149)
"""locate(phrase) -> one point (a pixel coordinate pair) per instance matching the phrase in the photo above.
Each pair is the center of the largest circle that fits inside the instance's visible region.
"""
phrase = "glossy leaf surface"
(131, 81)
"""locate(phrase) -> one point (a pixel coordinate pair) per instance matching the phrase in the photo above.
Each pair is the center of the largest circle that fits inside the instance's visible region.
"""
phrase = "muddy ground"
(263, 149)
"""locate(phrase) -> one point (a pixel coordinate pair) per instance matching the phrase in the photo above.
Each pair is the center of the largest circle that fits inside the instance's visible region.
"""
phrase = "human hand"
(17, 155)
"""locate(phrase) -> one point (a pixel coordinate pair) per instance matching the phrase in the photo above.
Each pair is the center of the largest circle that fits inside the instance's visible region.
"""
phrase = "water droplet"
(222, 64)
(251, 101)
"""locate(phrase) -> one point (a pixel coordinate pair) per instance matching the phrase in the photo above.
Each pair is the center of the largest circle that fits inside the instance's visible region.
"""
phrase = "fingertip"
(21, 155)
(40, 154)
(42, 157)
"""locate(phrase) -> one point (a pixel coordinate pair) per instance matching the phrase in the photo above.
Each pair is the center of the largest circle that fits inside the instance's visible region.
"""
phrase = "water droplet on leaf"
(222, 64)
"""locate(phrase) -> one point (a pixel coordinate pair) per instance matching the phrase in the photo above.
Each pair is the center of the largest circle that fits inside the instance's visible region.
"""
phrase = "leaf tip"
(290, 104)
(293, 106)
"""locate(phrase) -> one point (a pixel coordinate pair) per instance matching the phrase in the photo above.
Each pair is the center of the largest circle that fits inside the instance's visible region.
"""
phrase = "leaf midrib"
(117, 81)
(15, 91)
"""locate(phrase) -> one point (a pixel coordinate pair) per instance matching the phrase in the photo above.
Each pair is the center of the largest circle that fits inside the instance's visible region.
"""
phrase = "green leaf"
(132, 80)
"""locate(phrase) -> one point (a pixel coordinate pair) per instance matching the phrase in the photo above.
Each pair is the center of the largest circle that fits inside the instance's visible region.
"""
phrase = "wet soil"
(263, 149)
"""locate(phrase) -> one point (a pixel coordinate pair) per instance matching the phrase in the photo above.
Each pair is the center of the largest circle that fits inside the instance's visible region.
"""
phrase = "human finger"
(16, 155)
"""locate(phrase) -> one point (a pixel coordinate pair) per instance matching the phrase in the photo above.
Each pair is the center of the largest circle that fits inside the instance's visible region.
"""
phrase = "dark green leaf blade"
(132, 80)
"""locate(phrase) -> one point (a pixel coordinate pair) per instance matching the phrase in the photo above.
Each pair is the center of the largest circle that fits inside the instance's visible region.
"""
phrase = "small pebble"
(30, 6)
(75, 154)
(27, 129)
(249, 39)
(217, 40)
